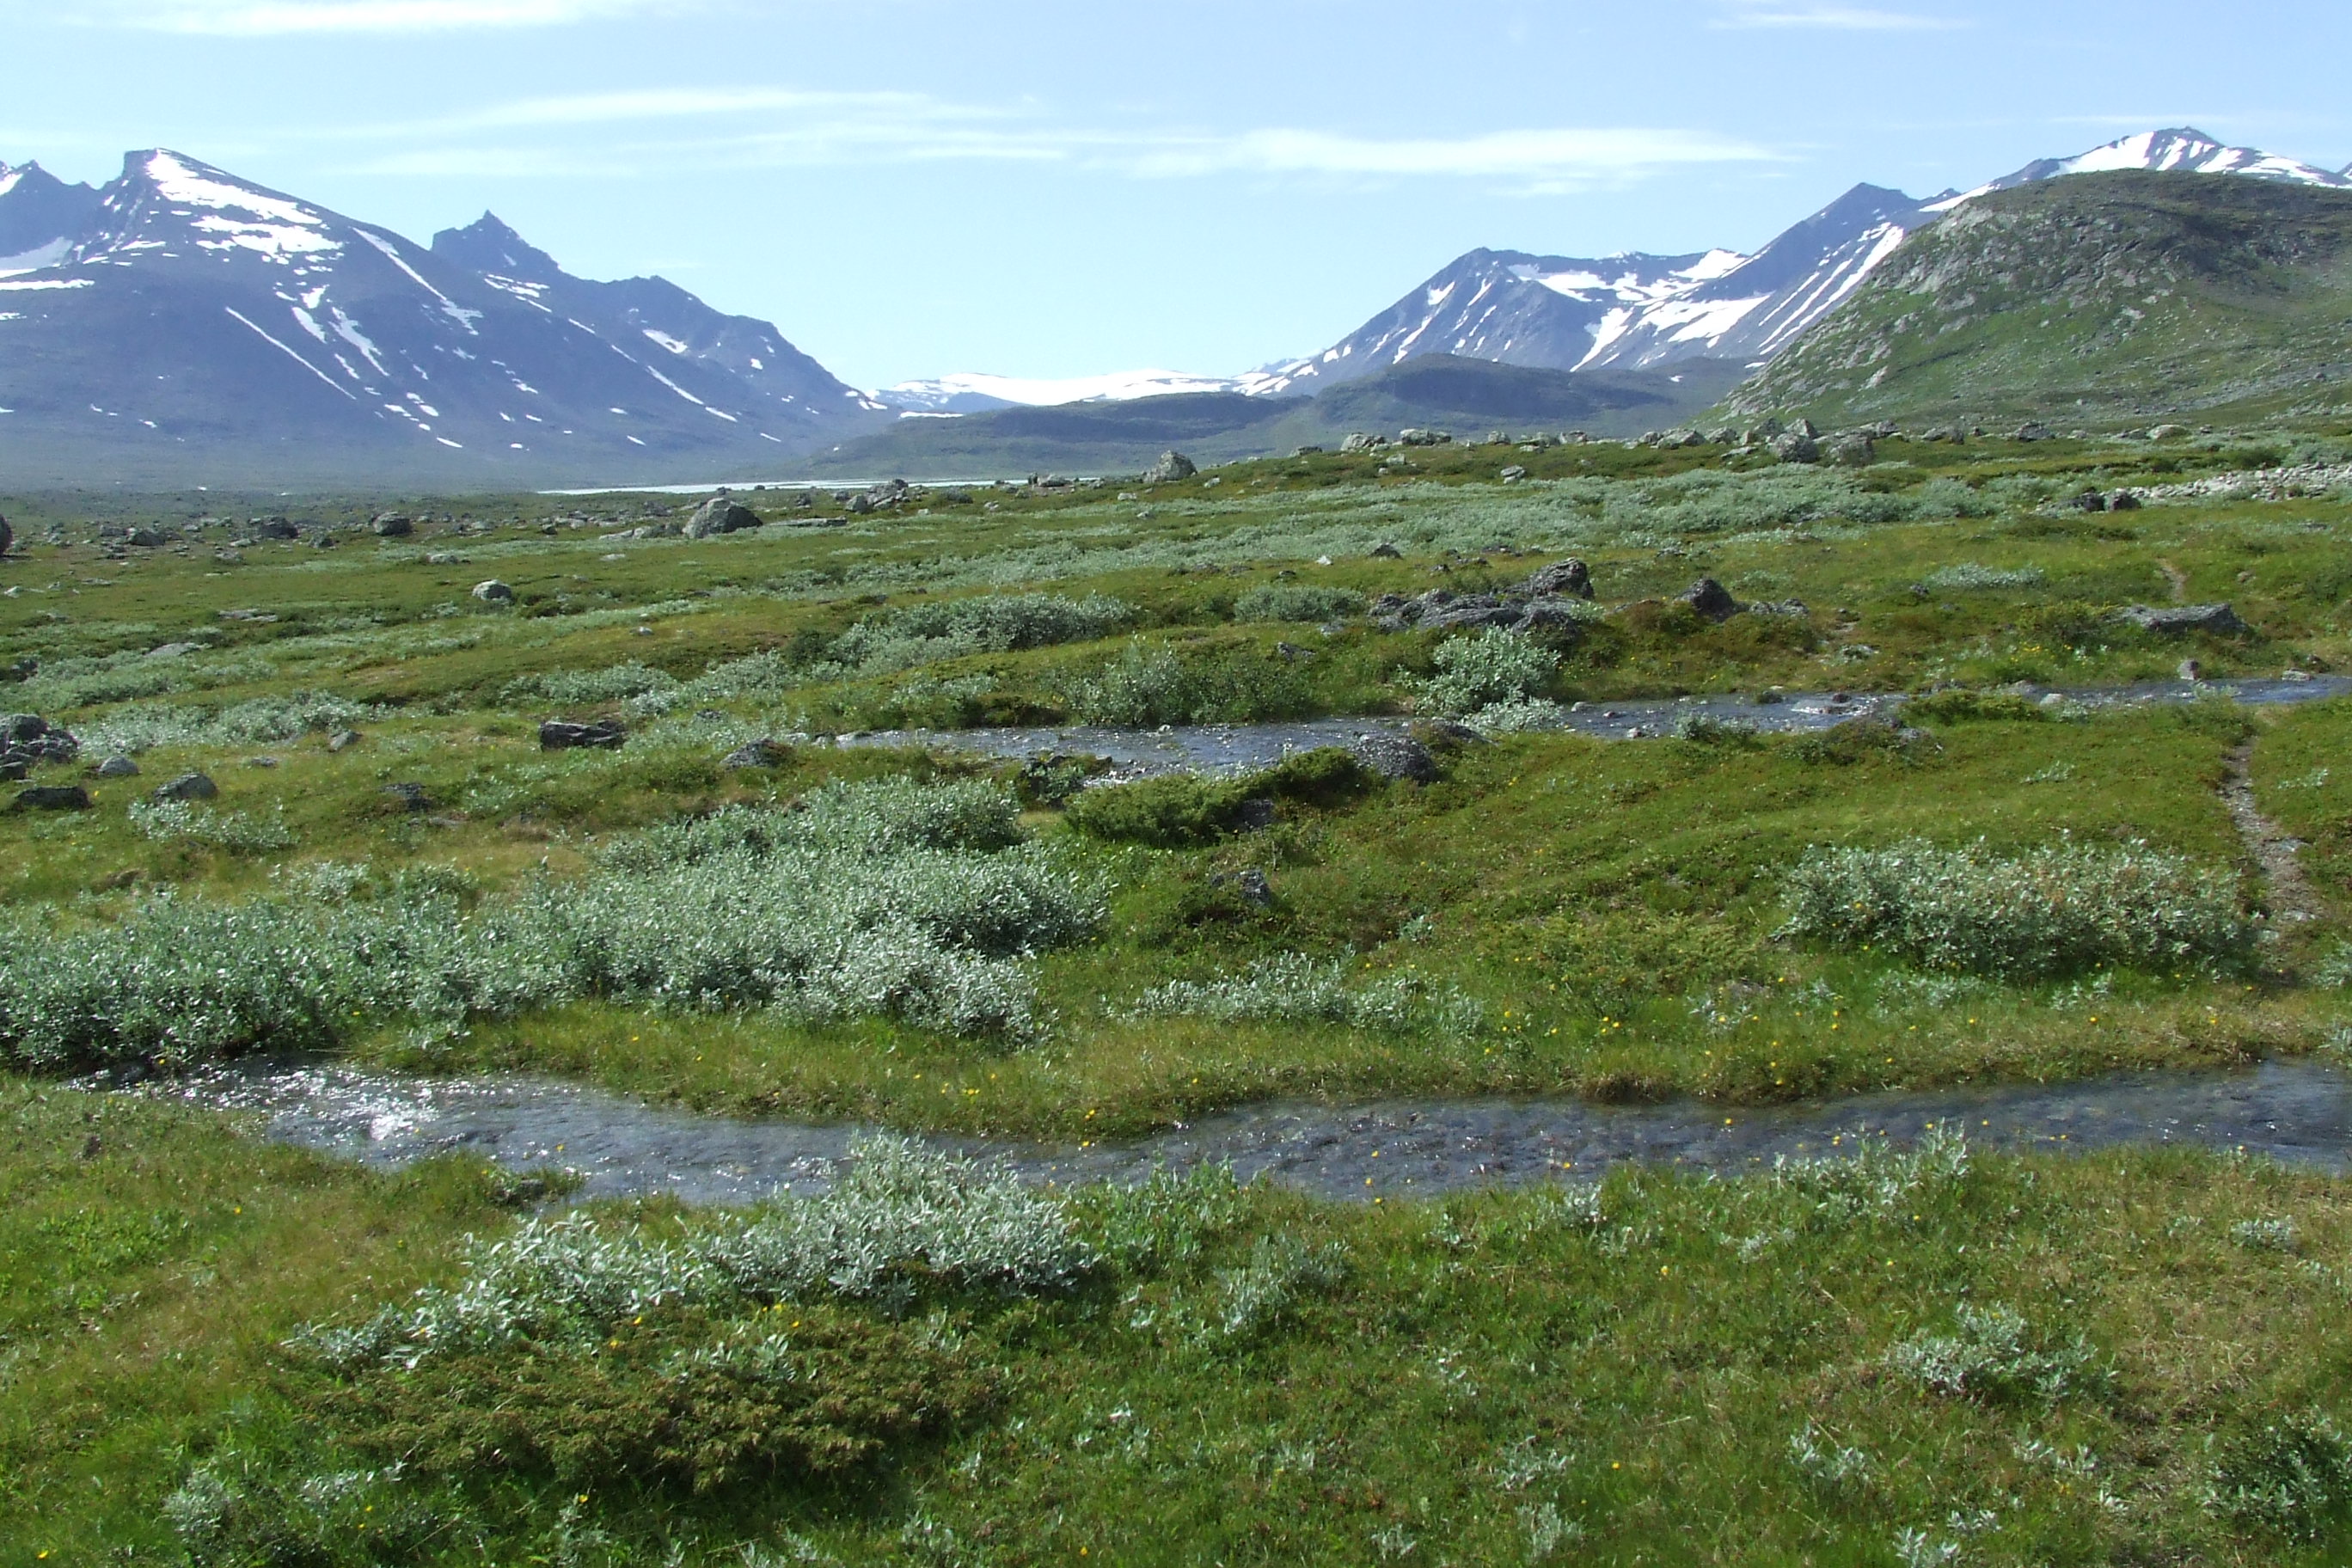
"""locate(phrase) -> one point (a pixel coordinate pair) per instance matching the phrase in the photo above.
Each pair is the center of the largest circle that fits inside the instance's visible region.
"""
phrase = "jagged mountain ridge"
(195, 324)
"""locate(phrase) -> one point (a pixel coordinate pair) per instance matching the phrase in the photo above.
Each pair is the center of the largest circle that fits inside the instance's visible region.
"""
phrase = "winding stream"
(1221, 748)
(2297, 1111)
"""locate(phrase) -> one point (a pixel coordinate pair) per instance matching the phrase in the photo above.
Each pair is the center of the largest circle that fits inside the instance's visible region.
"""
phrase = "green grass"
(1709, 1369)
(1555, 915)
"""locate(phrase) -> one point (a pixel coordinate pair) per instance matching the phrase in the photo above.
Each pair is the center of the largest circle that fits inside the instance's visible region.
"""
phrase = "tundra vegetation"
(219, 1351)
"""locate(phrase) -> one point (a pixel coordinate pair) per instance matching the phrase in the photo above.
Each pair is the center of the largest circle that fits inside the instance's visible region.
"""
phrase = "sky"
(1053, 188)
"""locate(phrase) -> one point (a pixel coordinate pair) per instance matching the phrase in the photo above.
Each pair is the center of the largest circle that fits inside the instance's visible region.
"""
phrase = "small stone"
(175, 650)
(53, 797)
(409, 796)
(564, 734)
(188, 787)
(261, 762)
(494, 593)
(760, 753)
(2191, 669)
(118, 768)
(1710, 599)
(343, 740)
(1387, 552)
(1396, 756)
(2170, 620)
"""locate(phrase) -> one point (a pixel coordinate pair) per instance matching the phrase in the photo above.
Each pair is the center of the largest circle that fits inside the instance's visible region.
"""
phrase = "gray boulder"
(1549, 615)
(2171, 620)
(1569, 578)
(1711, 599)
(2032, 431)
(720, 514)
(188, 787)
(343, 740)
(33, 739)
(762, 753)
(408, 796)
(1394, 756)
(392, 525)
(1360, 442)
(1852, 450)
(274, 528)
(1424, 438)
(1387, 552)
(52, 797)
(1171, 467)
(494, 593)
(566, 734)
(1513, 473)
(1796, 446)
(7, 536)
(118, 768)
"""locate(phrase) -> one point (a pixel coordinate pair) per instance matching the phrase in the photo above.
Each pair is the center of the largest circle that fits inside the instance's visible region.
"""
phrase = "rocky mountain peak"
(490, 244)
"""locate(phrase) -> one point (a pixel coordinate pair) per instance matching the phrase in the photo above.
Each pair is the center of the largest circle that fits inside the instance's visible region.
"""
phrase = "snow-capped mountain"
(1492, 304)
(188, 320)
(976, 393)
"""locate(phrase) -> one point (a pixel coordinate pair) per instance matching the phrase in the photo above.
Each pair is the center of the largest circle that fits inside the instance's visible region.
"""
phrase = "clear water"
(2296, 1111)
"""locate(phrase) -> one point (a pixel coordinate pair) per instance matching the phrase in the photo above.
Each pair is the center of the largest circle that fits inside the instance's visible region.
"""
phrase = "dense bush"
(1296, 601)
(181, 822)
(1493, 666)
(993, 622)
(793, 911)
(257, 722)
(1963, 707)
(2064, 907)
(1146, 686)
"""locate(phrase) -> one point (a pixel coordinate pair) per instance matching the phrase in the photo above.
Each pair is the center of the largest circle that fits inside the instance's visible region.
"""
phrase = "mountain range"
(181, 322)
(181, 325)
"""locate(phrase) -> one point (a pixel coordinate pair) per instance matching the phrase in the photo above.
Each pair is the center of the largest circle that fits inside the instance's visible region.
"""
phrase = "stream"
(1234, 748)
(2296, 1111)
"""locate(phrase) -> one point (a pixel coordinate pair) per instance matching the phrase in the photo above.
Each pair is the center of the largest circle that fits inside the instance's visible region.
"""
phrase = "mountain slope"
(40, 215)
(195, 328)
(1490, 304)
(2100, 296)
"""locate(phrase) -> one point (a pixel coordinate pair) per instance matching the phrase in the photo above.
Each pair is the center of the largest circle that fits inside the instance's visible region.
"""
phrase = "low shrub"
(991, 622)
(2292, 1476)
(1168, 813)
(1297, 602)
(182, 821)
(1294, 987)
(1146, 686)
(1864, 740)
(1968, 578)
(1994, 1355)
(1963, 707)
(1281, 1272)
(2060, 907)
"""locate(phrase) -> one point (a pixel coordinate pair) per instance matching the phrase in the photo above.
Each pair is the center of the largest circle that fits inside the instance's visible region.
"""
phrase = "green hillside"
(2096, 298)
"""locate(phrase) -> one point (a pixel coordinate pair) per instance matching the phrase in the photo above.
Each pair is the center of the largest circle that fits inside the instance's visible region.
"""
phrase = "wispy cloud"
(755, 126)
(1833, 18)
(267, 18)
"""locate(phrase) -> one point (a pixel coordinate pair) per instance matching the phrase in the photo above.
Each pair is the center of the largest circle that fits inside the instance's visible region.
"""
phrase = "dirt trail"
(2178, 579)
(2292, 900)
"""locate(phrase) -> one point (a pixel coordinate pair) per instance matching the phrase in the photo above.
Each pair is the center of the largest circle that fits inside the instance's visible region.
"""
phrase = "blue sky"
(1046, 188)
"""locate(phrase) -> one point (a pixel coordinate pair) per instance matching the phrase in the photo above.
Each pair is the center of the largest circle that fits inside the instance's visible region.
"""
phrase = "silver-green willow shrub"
(1294, 987)
(2058, 908)
(867, 903)
(899, 1214)
(1491, 668)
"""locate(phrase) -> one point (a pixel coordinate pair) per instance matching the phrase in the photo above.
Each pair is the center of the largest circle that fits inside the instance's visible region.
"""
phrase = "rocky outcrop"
(720, 514)
(1710, 599)
(2173, 620)
(566, 734)
(1171, 467)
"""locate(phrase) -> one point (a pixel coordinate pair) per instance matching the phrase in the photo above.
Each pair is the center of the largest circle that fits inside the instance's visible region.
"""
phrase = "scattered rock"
(1514, 474)
(2191, 669)
(564, 734)
(410, 797)
(188, 787)
(2124, 500)
(762, 753)
(1852, 450)
(118, 768)
(1711, 599)
(2169, 433)
(2090, 500)
(2031, 431)
(1796, 446)
(1387, 552)
(392, 525)
(29, 738)
(144, 538)
(343, 740)
(494, 593)
(1396, 756)
(2171, 620)
(175, 650)
(1569, 578)
(1424, 438)
(274, 528)
(1250, 885)
(261, 762)
(720, 514)
(1359, 442)
(52, 797)
(7, 536)
(1171, 467)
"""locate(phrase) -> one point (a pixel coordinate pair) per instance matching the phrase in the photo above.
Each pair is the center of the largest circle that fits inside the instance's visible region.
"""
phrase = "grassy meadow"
(216, 1351)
